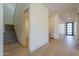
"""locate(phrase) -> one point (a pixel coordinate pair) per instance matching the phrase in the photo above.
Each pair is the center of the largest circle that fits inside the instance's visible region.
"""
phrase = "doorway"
(70, 28)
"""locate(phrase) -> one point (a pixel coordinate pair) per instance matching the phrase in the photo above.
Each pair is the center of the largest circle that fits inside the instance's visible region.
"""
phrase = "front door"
(69, 28)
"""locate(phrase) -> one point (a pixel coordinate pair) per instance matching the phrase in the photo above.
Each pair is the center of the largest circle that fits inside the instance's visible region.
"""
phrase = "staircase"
(9, 34)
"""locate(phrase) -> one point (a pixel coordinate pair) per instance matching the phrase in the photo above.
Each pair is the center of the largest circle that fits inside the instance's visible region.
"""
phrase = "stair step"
(9, 34)
(9, 38)
(9, 28)
(9, 31)
(9, 41)
(9, 25)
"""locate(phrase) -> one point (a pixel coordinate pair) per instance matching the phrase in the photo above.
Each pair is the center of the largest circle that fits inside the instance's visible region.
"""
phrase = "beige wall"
(1, 29)
(38, 26)
(19, 22)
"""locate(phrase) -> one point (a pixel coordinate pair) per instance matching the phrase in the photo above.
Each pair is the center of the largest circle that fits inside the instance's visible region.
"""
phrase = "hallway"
(31, 25)
(65, 46)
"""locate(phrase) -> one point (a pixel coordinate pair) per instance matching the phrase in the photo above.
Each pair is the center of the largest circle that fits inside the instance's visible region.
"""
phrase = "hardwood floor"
(66, 46)
(15, 49)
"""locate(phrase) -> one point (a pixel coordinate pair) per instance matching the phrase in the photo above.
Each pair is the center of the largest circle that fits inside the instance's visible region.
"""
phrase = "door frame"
(26, 19)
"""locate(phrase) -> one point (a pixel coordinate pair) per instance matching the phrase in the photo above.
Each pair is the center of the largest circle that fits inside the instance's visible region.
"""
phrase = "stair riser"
(9, 37)
(6, 42)
(9, 33)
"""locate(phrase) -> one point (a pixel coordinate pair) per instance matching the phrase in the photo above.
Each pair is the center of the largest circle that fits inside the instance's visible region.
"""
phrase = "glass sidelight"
(69, 28)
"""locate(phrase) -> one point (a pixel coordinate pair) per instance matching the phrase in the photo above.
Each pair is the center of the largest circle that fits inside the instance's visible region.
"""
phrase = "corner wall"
(38, 26)
(19, 22)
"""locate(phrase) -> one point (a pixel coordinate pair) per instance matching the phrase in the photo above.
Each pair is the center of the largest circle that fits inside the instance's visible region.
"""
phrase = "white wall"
(9, 10)
(77, 24)
(1, 29)
(61, 29)
(56, 26)
(38, 26)
(78, 29)
(19, 22)
(51, 27)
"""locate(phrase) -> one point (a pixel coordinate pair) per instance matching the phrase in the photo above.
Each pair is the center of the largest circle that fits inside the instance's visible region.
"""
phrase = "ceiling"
(61, 8)
(54, 8)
